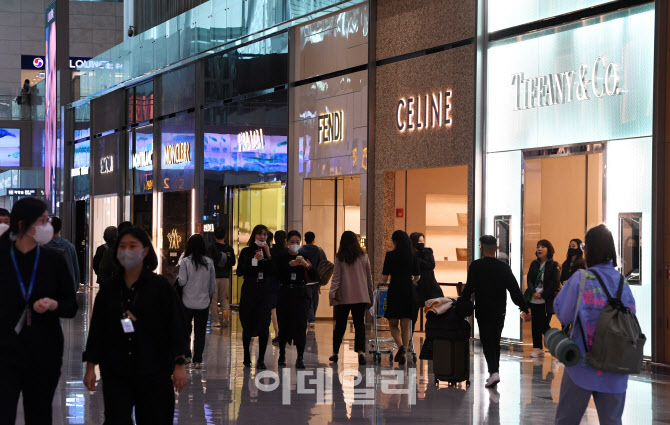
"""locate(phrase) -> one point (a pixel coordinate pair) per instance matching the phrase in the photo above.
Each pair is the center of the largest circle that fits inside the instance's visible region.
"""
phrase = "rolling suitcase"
(451, 361)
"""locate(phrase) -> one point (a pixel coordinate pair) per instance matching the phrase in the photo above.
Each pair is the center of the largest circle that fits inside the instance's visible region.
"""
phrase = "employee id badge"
(294, 276)
(260, 275)
(127, 325)
(254, 262)
(22, 321)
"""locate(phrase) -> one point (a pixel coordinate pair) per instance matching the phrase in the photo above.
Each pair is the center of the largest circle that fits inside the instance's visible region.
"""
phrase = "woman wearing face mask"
(573, 261)
(198, 278)
(255, 265)
(35, 292)
(402, 267)
(543, 283)
(137, 337)
(427, 288)
(292, 304)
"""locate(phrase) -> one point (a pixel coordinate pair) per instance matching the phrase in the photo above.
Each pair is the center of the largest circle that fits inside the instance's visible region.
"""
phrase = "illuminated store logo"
(143, 159)
(174, 239)
(564, 87)
(422, 112)
(249, 141)
(107, 164)
(82, 171)
(177, 154)
(208, 227)
(331, 127)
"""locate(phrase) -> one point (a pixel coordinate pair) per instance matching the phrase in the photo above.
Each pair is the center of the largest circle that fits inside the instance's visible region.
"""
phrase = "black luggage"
(451, 361)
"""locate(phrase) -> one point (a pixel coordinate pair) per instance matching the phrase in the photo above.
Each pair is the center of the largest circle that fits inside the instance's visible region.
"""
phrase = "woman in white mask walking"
(35, 293)
(137, 337)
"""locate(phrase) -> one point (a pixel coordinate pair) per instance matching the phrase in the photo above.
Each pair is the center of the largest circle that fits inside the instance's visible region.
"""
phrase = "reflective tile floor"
(223, 392)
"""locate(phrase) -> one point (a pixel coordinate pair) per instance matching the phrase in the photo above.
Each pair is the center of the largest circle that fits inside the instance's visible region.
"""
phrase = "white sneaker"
(537, 353)
(493, 380)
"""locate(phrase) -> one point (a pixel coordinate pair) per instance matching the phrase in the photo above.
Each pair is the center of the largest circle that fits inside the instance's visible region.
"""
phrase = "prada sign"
(422, 112)
(600, 79)
(249, 141)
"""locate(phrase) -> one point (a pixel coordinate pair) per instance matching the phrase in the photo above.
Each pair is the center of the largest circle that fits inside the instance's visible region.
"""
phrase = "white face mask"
(3, 228)
(130, 259)
(294, 247)
(43, 233)
(260, 243)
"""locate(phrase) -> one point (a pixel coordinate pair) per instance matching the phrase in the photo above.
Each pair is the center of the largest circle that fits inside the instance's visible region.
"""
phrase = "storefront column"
(372, 111)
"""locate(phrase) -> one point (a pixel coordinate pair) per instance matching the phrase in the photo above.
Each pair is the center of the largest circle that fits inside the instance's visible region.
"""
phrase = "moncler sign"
(598, 80)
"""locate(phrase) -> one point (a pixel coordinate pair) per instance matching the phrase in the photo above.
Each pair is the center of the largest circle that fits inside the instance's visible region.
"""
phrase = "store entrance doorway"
(143, 212)
(331, 206)
(562, 199)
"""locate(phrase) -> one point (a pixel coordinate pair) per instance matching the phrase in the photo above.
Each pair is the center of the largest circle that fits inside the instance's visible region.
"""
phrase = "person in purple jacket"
(581, 381)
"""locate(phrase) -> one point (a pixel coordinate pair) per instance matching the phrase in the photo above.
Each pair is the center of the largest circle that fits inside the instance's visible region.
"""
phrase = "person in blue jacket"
(581, 381)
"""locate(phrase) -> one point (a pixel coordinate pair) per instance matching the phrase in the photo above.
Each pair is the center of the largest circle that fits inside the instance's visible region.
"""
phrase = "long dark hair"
(403, 245)
(580, 256)
(414, 237)
(151, 260)
(350, 249)
(25, 213)
(196, 249)
(600, 246)
(258, 229)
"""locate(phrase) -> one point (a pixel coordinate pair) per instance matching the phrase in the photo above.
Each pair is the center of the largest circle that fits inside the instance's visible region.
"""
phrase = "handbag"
(19, 100)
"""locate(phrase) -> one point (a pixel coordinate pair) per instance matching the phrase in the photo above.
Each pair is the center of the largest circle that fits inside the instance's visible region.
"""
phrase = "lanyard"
(539, 280)
(26, 294)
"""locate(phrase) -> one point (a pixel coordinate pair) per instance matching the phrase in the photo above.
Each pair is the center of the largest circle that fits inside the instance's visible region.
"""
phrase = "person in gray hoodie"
(66, 249)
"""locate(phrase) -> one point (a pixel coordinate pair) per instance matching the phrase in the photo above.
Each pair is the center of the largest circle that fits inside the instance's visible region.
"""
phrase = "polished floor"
(224, 392)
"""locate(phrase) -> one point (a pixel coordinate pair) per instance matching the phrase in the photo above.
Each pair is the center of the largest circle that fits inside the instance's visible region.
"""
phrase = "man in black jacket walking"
(489, 280)
(223, 256)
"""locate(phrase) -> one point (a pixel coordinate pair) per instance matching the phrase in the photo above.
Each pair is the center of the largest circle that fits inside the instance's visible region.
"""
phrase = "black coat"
(427, 286)
(567, 271)
(293, 300)
(551, 284)
(256, 294)
(41, 343)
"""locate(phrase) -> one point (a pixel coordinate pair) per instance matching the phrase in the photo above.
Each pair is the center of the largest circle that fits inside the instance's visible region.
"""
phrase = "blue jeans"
(313, 292)
(574, 400)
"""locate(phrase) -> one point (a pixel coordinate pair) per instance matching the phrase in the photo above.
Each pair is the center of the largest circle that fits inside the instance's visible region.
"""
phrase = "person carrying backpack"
(223, 257)
(582, 381)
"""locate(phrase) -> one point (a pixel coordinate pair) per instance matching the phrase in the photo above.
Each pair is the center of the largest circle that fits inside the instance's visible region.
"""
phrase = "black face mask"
(419, 246)
(573, 251)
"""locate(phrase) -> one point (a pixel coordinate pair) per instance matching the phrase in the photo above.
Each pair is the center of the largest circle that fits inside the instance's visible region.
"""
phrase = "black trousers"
(341, 316)
(151, 396)
(490, 329)
(38, 385)
(263, 336)
(540, 323)
(196, 319)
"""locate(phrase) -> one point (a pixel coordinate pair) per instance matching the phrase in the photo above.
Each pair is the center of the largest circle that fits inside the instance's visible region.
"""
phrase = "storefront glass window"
(142, 160)
(105, 166)
(177, 153)
(82, 122)
(505, 14)
(178, 90)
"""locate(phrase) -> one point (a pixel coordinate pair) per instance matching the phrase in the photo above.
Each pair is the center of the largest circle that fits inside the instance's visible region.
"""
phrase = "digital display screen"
(222, 154)
(10, 147)
(50, 102)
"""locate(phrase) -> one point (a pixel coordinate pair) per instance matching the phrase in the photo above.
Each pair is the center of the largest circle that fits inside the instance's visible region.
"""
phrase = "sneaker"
(493, 380)
(282, 360)
(216, 324)
(197, 365)
(361, 359)
(299, 364)
(537, 353)
(334, 358)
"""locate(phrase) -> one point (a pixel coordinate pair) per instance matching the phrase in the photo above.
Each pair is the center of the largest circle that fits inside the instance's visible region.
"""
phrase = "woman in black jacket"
(574, 260)
(543, 283)
(427, 287)
(137, 337)
(255, 265)
(35, 292)
(278, 247)
(294, 273)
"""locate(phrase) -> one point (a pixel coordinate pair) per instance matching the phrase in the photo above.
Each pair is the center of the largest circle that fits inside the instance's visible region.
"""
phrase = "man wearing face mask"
(35, 293)
(4, 221)
(66, 249)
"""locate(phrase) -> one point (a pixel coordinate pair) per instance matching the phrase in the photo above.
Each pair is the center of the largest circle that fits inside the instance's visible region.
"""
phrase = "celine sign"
(249, 141)
(331, 127)
(422, 112)
(564, 87)
(107, 164)
(143, 159)
(176, 154)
